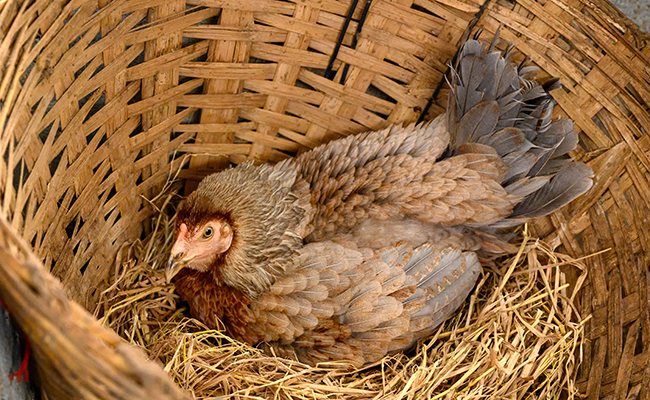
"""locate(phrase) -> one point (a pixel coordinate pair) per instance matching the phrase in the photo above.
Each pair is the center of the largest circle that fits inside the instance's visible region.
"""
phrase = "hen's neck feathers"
(268, 213)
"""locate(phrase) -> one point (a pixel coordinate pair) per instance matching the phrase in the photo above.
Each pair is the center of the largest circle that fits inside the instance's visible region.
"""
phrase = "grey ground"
(636, 10)
(11, 356)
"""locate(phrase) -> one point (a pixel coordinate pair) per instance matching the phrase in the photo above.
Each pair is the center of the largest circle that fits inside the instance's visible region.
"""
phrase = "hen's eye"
(208, 232)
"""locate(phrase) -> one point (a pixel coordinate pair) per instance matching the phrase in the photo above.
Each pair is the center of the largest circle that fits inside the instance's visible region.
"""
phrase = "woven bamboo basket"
(102, 99)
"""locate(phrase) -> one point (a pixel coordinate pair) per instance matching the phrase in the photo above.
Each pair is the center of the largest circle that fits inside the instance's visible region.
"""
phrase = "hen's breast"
(211, 302)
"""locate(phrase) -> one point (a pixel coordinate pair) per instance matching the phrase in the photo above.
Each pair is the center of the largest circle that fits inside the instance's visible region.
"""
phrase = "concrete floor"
(11, 357)
(637, 10)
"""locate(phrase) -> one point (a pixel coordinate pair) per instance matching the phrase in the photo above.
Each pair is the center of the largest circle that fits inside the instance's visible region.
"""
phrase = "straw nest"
(518, 336)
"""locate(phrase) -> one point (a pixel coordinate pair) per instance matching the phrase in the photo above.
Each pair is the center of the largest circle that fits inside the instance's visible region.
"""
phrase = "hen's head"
(242, 226)
(201, 241)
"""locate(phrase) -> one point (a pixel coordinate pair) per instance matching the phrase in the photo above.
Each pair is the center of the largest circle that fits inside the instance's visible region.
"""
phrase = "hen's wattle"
(360, 247)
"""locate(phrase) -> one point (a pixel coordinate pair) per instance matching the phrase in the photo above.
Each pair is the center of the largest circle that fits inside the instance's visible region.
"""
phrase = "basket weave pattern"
(94, 101)
(101, 100)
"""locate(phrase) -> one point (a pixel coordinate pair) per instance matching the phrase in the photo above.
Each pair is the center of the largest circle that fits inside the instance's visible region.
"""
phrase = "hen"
(360, 247)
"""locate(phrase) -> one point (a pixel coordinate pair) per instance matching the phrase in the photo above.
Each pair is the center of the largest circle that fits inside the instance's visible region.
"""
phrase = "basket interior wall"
(101, 101)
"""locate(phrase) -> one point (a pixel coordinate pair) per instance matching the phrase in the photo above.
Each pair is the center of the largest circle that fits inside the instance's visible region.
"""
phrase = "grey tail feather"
(496, 103)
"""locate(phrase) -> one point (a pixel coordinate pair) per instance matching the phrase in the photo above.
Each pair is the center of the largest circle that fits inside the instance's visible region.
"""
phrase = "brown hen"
(365, 245)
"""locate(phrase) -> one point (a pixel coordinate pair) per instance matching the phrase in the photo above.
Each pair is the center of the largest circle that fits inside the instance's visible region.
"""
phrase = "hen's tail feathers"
(495, 104)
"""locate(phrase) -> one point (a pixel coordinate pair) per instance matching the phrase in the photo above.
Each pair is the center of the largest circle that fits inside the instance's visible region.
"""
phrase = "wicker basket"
(97, 97)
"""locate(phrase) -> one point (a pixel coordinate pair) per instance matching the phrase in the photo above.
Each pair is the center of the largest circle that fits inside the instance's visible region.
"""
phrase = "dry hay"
(517, 337)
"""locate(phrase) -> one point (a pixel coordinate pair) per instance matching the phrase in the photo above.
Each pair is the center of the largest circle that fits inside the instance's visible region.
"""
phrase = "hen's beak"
(175, 264)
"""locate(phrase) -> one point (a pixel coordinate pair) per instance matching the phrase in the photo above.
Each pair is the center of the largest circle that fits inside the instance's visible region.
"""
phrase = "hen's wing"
(395, 174)
(344, 303)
